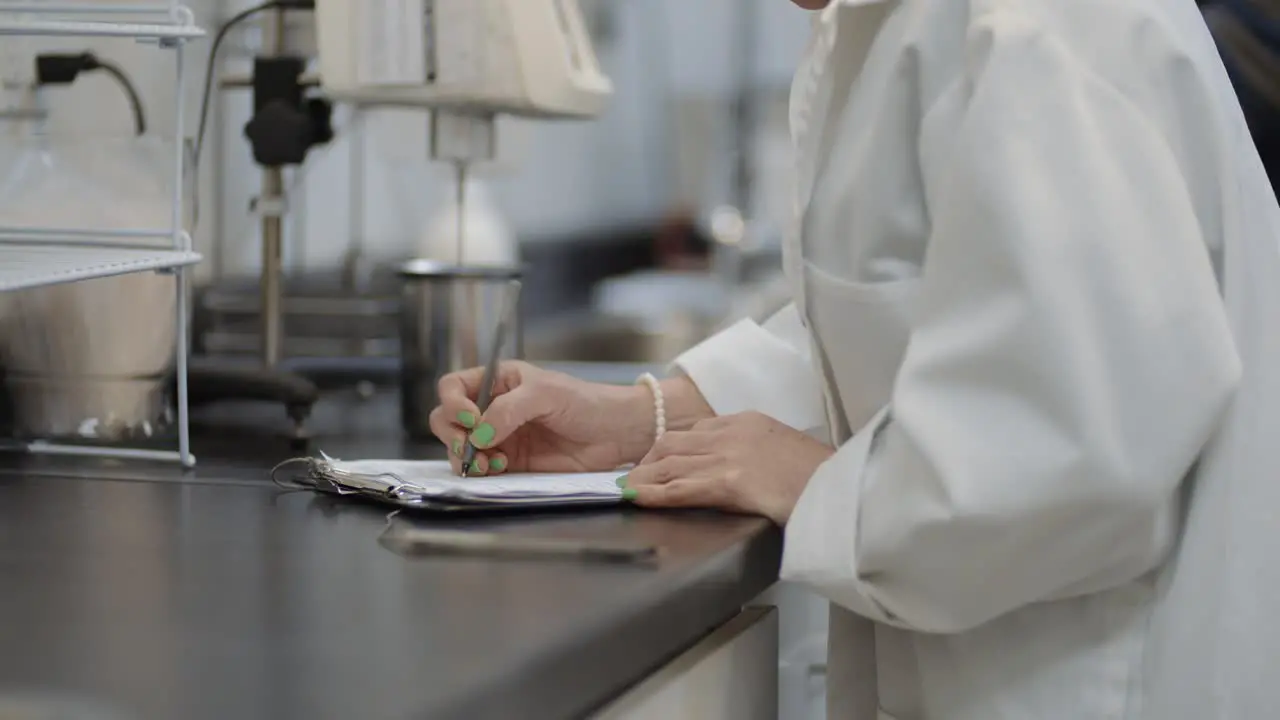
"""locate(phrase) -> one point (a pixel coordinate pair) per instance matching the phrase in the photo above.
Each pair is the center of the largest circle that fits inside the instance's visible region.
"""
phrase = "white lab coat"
(1037, 289)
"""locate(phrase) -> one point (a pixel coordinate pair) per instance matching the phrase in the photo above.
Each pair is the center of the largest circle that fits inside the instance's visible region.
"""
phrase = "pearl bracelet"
(659, 404)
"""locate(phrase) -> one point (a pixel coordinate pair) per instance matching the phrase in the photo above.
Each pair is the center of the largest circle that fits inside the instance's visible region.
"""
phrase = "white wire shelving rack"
(32, 257)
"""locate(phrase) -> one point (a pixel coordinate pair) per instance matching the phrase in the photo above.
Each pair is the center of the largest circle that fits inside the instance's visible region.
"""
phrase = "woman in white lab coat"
(1018, 423)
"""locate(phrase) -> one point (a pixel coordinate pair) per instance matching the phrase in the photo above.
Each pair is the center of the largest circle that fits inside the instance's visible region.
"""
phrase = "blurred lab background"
(640, 231)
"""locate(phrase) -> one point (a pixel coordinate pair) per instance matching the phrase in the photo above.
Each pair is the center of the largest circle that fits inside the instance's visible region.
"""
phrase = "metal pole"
(744, 107)
(728, 225)
(351, 263)
(181, 241)
(271, 204)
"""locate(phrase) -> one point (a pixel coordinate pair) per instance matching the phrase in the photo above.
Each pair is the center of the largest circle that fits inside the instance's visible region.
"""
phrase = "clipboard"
(429, 485)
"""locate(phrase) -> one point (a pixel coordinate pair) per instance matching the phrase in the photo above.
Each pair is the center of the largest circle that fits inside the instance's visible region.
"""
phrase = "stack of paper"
(432, 484)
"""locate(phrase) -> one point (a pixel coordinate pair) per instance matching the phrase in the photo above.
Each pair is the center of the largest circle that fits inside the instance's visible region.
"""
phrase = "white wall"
(558, 178)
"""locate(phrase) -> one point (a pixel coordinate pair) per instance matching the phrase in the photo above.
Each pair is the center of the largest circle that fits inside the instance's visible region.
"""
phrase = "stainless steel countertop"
(164, 596)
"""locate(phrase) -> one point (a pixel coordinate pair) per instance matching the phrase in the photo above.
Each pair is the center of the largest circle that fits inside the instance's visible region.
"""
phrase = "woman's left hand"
(747, 463)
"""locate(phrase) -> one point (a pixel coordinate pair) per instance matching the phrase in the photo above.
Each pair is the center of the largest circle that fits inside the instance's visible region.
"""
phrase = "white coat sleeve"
(761, 368)
(1069, 357)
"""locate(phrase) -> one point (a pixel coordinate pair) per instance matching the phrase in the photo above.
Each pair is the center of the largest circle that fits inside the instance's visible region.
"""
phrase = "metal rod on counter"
(351, 270)
(271, 205)
(272, 265)
(460, 177)
(181, 241)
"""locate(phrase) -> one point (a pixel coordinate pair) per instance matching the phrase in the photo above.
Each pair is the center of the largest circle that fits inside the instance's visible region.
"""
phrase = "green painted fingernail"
(483, 435)
(457, 448)
(476, 471)
(630, 495)
(467, 419)
(622, 481)
(498, 464)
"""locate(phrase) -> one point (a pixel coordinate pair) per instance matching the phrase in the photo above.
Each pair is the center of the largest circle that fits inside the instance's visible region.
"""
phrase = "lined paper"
(435, 479)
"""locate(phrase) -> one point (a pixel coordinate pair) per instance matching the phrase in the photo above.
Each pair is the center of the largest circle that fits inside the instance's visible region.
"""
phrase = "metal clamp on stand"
(285, 126)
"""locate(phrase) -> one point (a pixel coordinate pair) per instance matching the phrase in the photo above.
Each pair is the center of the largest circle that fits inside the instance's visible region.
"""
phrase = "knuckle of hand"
(691, 494)
(654, 500)
(666, 473)
(447, 380)
(666, 498)
(721, 491)
(522, 372)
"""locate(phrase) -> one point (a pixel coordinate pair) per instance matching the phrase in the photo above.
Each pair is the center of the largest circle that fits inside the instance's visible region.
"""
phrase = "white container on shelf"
(89, 359)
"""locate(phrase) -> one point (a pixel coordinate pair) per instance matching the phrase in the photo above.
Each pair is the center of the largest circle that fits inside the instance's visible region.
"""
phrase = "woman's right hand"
(543, 421)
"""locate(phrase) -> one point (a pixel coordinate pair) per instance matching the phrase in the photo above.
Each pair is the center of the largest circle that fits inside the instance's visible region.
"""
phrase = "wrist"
(683, 404)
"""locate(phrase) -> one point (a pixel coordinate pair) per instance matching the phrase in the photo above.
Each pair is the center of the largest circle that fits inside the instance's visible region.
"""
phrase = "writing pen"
(505, 319)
